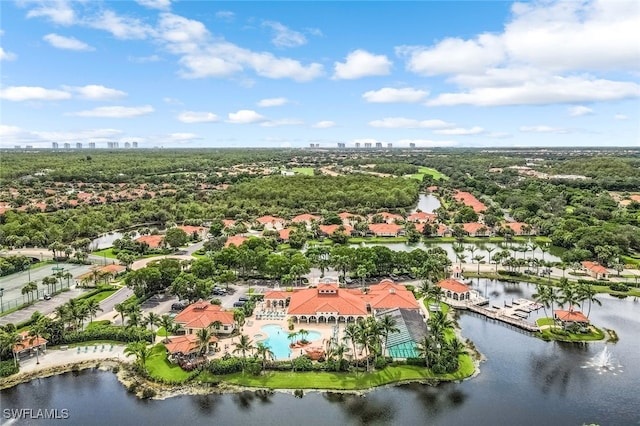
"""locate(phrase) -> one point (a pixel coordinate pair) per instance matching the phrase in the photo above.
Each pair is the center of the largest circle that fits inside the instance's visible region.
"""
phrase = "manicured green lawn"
(307, 171)
(341, 381)
(358, 240)
(108, 252)
(443, 306)
(159, 367)
(101, 296)
(544, 321)
(429, 171)
(555, 333)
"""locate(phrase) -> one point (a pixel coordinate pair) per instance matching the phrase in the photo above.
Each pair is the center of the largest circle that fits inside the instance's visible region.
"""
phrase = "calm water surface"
(524, 381)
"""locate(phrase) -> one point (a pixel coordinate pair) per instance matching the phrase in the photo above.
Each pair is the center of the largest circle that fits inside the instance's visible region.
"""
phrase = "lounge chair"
(78, 349)
(86, 349)
(102, 349)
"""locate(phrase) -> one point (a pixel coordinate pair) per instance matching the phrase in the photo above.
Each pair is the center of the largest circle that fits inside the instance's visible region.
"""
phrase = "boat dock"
(514, 314)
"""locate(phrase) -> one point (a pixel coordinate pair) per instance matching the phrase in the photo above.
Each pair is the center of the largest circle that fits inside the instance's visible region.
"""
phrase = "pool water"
(278, 340)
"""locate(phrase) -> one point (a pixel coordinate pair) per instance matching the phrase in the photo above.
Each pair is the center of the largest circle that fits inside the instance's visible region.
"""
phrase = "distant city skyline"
(172, 74)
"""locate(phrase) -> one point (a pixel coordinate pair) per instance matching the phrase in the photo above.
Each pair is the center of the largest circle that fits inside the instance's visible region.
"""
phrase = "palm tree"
(93, 306)
(424, 349)
(140, 351)
(387, 326)
(292, 336)
(471, 249)
(303, 334)
(490, 250)
(121, 308)
(239, 317)
(263, 351)
(478, 258)
(216, 326)
(203, 336)
(243, 346)
(38, 330)
(152, 320)
(544, 296)
(351, 333)
(9, 338)
(166, 322)
(435, 293)
(135, 318)
(586, 292)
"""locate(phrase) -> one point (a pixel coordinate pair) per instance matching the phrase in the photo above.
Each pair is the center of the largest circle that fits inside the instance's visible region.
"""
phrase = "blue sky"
(279, 74)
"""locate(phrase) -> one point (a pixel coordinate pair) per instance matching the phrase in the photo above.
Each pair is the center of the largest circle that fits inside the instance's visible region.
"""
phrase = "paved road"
(12, 284)
(44, 306)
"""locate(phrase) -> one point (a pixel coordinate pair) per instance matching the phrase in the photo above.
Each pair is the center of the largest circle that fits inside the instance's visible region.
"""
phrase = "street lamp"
(1, 294)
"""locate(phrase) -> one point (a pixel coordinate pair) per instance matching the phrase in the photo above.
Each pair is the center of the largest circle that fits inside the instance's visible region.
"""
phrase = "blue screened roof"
(403, 350)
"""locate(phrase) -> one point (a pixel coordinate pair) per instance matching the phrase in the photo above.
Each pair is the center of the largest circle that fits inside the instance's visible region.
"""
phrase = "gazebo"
(27, 346)
(571, 317)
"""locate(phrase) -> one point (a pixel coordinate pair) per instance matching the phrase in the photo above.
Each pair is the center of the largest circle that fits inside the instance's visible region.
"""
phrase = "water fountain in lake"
(603, 362)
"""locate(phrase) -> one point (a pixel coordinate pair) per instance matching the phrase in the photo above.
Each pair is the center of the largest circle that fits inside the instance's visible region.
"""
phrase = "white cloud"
(59, 12)
(460, 131)
(361, 63)
(391, 95)
(499, 135)
(155, 4)
(546, 91)
(284, 36)
(144, 59)
(182, 137)
(282, 122)
(408, 123)
(6, 55)
(172, 101)
(121, 27)
(271, 102)
(245, 116)
(7, 131)
(197, 117)
(548, 52)
(579, 110)
(79, 135)
(543, 129)
(32, 93)
(225, 15)
(453, 55)
(325, 124)
(96, 92)
(621, 117)
(115, 112)
(68, 43)
(182, 35)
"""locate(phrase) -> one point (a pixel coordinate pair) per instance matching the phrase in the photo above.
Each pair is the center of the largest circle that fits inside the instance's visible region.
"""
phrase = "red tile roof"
(516, 226)
(191, 229)
(269, 219)
(470, 200)
(305, 218)
(26, 343)
(385, 228)
(284, 234)
(277, 294)
(330, 229)
(236, 240)
(421, 217)
(154, 241)
(228, 222)
(595, 267)
(571, 316)
(202, 315)
(387, 295)
(453, 285)
(388, 217)
(473, 227)
(112, 269)
(185, 344)
(311, 301)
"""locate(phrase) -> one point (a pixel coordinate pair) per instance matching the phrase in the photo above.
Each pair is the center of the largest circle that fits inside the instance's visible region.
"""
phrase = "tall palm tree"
(134, 318)
(586, 292)
(216, 326)
(303, 334)
(93, 306)
(140, 351)
(425, 349)
(166, 322)
(8, 340)
(37, 331)
(244, 345)
(544, 297)
(120, 308)
(152, 320)
(490, 250)
(338, 350)
(351, 333)
(263, 351)
(472, 250)
(388, 325)
(203, 337)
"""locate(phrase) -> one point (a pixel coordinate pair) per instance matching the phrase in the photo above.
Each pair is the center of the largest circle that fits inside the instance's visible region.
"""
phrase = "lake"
(524, 381)
(427, 203)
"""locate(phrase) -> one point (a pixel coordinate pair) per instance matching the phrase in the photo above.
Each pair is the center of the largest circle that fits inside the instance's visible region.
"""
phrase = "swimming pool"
(278, 340)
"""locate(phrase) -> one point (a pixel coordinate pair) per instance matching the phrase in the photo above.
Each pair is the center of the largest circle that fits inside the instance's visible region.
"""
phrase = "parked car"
(243, 299)
(178, 306)
(219, 291)
(238, 304)
(47, 297)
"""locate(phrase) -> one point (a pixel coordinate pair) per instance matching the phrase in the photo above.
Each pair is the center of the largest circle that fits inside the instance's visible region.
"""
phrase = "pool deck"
(254, 326)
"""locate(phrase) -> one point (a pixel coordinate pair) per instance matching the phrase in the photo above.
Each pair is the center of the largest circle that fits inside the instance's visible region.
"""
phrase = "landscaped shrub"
(148, 393)
(8, 367)
(618, 287)
(107, 332)
(415, 361)
(225, 365)
(303, 363)
(381, 363)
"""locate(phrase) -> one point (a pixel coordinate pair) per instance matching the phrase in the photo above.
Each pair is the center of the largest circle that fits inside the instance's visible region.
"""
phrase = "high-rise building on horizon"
(92, 145)
(134, 144)
(78, 145)
(67, 145)
(357, 145)
(378, 145)
(54, 145)
(341, 145)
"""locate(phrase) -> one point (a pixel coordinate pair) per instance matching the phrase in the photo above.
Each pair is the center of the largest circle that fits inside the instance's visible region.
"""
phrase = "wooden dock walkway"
(498, 315)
